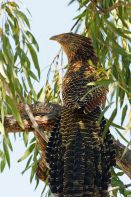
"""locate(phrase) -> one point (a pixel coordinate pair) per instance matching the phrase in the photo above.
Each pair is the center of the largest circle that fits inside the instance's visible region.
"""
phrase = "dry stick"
(118, 187)
(34, 123)
(45, 116)
(116, 5)
(37, 129)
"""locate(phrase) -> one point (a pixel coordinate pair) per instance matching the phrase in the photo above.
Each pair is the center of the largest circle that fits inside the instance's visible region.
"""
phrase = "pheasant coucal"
(79, 158)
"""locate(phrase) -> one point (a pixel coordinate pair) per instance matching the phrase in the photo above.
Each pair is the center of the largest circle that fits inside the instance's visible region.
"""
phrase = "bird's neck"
(74, 58)
(76, 66)
(81, 57)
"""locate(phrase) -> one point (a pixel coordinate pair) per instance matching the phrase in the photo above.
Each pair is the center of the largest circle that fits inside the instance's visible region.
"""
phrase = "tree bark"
(45, 115)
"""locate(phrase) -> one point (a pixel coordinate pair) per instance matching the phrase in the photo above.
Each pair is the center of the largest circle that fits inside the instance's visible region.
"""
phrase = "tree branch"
(34, 123)
(124, 162)
(114, 6)
(45, 116)
(118, 187)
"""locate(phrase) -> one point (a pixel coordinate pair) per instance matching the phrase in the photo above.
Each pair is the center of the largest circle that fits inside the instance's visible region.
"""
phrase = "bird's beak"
(54, 38)
(57, 38)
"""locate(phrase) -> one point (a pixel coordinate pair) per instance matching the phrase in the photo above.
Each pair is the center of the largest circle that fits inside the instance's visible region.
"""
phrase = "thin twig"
(118, 187)
(116, 5)
(56, 57)
(75, 24)
(46, 115)
(34, 123)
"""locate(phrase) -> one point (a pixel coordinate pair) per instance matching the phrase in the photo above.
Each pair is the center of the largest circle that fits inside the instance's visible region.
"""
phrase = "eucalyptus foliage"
(108, 23)
(19, 68)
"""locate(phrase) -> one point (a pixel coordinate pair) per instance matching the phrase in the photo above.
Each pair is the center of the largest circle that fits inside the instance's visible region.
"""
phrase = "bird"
(79, 158)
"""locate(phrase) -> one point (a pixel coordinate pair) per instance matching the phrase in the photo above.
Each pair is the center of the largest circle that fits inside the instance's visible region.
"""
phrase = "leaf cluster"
(19, 69)
(107, 23)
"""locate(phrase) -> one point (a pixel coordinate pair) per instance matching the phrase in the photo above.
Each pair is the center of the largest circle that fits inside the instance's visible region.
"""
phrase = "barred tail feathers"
(78, 166)
(108, 157)
(54, 157)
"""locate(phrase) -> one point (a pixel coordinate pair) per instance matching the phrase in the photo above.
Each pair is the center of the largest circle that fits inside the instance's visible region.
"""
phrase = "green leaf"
(7, 140)
(32, 140)
(126, 149)
(7, 29)
(7, 51)
(117, 126)
(2, 164)
(108, 123)
(39, 93)
(3, 106)
(124, 114)
(122, 95)
(103, 82)
(16, 30)
(9, 13)
(2, 130)
(120, 173)
(25, 62)
(27, 165)
(33, 75)
(33, 171)
(121, 135)
(1, 154)
(117, 49)
(23, 17)
(34, 58)
(116, 30)
(32, 91)
(26, 138)
(36, 152)
(6, 153)
(13, 4)
(104, 111)
(37, 182)
(15, 112)
(32, 39)
(27, 152)
(80, 15)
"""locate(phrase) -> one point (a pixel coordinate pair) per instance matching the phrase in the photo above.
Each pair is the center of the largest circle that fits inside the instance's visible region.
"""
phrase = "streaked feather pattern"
(78, 156)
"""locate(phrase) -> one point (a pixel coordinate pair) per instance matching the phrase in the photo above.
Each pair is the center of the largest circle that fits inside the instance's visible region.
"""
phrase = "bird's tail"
(79, 165)
(54, 157)
(108, 157)
(83, 168)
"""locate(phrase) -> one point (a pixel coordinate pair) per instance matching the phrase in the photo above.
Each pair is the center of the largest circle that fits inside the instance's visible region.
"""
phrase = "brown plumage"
(78, 157)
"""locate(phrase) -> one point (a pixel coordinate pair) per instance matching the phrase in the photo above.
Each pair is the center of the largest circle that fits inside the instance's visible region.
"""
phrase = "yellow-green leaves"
(2, 130)
(19, 68)
(6, 151)
(27, 152)
(14, 110)
(32, 154)
(34, 58)
(108, 24)
(32, 39)
(17, 57)
(18, 50)
(2, 161)
(124, 114)
(23, 17)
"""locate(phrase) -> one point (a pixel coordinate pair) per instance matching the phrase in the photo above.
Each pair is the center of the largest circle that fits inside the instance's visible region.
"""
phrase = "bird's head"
(75, 46)
(63, 38)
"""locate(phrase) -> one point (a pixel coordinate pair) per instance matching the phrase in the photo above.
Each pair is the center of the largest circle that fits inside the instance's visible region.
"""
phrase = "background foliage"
(107, 22)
